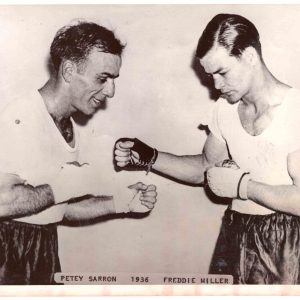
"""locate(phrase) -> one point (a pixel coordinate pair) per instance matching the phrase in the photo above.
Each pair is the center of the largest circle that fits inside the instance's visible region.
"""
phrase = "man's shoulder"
(292, 102)
(20, 107)
(294, 94)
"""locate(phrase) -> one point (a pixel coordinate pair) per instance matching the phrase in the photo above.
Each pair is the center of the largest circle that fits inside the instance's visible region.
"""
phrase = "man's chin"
(231, 99)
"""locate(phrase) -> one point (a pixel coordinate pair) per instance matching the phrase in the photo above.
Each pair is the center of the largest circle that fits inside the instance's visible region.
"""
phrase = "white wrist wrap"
(243, 185)
(228, 182)
(121, 206)
(130, 202)
(122, 201)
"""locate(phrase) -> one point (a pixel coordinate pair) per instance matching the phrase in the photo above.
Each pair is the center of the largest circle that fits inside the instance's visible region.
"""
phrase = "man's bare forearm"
(187, 168)
(23, 200)
(283, 198)
(90, 208)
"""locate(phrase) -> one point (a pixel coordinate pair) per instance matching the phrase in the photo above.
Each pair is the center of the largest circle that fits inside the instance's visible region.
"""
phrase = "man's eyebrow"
(108, 75)
(218, 71)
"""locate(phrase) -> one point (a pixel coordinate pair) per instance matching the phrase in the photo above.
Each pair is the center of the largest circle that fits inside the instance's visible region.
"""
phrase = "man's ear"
(250, 55)
(67, 70)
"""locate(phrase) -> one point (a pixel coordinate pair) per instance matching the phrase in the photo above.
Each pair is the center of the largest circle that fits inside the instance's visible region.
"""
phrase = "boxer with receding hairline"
(41, 144)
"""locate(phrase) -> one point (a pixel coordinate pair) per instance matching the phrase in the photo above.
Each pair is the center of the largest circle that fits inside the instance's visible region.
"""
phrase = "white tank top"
(33, 148)
(264, 155)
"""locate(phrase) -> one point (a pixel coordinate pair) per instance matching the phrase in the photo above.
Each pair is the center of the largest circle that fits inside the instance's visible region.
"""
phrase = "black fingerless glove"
(147, 155)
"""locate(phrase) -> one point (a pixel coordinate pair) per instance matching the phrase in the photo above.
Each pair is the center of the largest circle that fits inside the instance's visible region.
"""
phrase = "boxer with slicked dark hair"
(233, 32)
(252, 155)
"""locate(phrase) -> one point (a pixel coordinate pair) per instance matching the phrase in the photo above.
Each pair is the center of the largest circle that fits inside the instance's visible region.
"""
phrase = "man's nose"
(218, 82)
(109, 89)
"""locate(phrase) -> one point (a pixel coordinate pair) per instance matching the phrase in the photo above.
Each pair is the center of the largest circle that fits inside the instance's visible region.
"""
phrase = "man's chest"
(37, 152)
(255, 123)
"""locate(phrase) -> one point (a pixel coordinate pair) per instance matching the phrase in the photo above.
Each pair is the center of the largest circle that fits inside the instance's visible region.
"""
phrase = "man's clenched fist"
(135, 154)
(228, 180)
(141, 199)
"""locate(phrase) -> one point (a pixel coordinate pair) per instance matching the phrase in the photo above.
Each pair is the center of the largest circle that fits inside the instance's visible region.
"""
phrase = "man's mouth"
(226, 94)
(97, 101)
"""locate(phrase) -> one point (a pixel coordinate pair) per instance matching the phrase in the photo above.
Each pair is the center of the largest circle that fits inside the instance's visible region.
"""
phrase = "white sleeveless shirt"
(264, 155)
(33, 148)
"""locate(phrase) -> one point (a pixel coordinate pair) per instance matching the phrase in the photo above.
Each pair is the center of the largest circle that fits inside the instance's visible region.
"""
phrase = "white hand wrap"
(227, 182)
(121, 204)
(136, 205)
(130, 202)
(71, 182)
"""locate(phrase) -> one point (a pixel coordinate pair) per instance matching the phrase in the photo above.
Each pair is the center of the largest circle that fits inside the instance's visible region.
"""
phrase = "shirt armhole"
(214, 121)
(293, 112)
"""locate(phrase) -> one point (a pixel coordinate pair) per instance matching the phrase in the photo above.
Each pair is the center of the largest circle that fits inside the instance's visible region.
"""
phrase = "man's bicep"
(214, 150)
(293, 164)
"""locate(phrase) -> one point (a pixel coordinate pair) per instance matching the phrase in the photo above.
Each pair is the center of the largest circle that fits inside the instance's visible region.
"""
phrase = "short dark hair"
(75, 42)
(234, 32)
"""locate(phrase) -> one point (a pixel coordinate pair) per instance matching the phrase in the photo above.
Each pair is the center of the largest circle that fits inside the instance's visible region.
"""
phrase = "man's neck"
(58, 108)
(266, 91)
(56, 100)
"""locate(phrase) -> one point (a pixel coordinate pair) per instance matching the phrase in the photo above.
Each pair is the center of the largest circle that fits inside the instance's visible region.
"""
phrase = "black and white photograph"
(154, 147)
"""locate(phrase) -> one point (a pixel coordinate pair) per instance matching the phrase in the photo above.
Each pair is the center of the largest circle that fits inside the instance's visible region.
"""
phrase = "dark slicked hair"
(233, 32)
(75, 42)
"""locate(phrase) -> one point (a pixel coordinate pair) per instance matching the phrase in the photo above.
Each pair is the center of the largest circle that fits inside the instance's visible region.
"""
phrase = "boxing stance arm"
(191, 168)
(137, 198)
(90, 208)
(22, 200)
(19, 199)
(284, 198)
